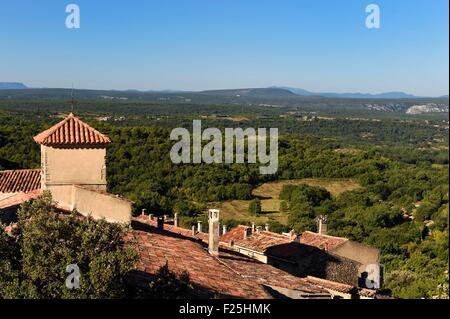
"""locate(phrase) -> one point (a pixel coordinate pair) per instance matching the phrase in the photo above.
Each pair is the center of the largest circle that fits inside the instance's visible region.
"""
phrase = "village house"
(310, 254)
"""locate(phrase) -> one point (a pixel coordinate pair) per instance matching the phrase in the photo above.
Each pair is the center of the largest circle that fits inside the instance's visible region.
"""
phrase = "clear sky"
(318, 45)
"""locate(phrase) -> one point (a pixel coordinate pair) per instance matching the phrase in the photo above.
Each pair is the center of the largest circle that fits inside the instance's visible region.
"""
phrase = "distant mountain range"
(386, 95)
(12, 86)
(270, 92)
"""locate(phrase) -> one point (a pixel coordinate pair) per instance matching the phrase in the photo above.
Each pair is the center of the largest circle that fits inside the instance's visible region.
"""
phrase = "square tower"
(72, 153)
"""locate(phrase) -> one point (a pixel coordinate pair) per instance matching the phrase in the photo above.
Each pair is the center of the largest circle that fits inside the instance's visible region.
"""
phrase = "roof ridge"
(338, 285)
(327, 236)
(20, 170)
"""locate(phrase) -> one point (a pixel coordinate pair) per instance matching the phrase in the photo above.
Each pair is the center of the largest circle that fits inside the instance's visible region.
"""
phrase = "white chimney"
(213, 240)
(144, 212)
(266, 227)
(193, 231)
(293, 235)
(253, 227)
(175, 219)
(224, 229)
(150, 216)
(323, 225)
(199, 226)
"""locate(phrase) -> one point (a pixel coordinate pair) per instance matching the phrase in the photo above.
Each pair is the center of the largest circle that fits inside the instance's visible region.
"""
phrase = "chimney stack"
(193, 231)
(144, 212)
(224, 229)
(199, 226)
(213, 242)
(247, 232)
(150, 216)
(258, 229)
(253, 227)
(266, 227)
(160, 222)
(323, 225)
(292, 235)
(175, 220)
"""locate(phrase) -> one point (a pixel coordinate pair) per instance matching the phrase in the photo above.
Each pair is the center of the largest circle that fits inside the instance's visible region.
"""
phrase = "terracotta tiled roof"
(265, 274)
(71, 131)
(325, 242)
(245, 270)
(331, 285)
(259, 241)
(25, 180)
(234, 234)
(17, 199)
(178, 230)
(209, 276)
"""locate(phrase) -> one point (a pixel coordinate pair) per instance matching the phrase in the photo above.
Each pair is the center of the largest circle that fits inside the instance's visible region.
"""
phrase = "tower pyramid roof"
(70, 132)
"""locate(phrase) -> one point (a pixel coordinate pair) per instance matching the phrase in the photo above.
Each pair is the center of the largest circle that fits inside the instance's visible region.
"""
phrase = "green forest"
(402, 166)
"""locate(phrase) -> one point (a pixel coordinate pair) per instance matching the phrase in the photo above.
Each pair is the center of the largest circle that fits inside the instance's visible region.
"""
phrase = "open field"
(439, 166)
(270, 202)
(334, 186)
(238, 209)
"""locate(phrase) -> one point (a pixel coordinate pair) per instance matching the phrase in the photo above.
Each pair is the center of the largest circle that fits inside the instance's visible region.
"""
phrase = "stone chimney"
(322, 225)
(150, 216)
(224, 229)
(258, 229)
(247, 232)
(144, 212)
(213, 240)
(175, 219)
(266, 227)
(199, 226)
(253, 227)
(292, 234)
(193, 231)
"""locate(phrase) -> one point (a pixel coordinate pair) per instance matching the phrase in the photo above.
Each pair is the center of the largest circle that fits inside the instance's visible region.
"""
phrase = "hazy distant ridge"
(357, 95)
(12, 86)
(269, 92)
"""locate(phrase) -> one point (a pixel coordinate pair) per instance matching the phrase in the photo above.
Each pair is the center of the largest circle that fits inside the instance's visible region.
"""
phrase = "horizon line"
(283, 87)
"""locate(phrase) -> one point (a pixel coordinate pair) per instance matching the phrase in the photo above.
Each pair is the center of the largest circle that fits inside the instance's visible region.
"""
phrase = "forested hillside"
(401, 208)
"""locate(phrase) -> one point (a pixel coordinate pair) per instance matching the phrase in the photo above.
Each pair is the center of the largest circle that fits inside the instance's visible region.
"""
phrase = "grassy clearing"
(270, 202)
(334, 186)
(348, 151)
(238, 209)
(439, 166)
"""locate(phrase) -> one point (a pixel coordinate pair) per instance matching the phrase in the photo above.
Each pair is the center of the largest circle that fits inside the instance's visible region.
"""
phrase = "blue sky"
(319, 45)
